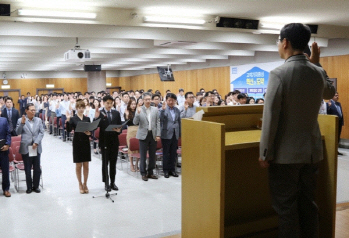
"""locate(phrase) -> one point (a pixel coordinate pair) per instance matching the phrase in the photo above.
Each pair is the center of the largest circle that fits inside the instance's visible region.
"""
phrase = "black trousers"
(169, 150)
(292, 188)
(4, 164)
(109, 157)
(64, 118)
(29, 163)
(144, 145)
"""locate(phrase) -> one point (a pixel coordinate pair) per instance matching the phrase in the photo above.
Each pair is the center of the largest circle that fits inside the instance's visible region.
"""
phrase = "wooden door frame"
(11, 90)
(48, 89)
(110, 92)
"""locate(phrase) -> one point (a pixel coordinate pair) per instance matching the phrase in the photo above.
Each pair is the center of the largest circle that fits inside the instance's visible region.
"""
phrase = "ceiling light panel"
(56, 14)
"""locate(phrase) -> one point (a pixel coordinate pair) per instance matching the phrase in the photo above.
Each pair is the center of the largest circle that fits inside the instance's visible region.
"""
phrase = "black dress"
(81, 141)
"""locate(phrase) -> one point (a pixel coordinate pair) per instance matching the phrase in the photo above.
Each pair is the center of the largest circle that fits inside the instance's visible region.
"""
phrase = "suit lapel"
(28, 126)
(145, 113)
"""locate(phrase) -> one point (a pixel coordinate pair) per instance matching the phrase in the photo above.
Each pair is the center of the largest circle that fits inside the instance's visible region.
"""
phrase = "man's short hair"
(29, 105)
(171, 95)
(146, 94)
(123, 94)
(107, 97)
(92, 97)
(199, 94)
(297, 33)
(154, 96)
(208, 93)
(241, 95)
(8, 98)
(28, 93)
(181, 90)
(187, 94)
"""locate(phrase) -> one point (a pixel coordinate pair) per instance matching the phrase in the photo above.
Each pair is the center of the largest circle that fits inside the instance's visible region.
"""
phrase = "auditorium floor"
(141, 209)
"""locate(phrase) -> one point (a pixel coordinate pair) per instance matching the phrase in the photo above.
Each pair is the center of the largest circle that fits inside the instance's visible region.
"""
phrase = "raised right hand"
(23, 119)
(329, 103)
(186, 105)
(138, 110)
(164, 105)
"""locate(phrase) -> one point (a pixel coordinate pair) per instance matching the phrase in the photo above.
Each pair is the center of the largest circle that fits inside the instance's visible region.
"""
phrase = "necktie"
(10, 119)
(109, 117)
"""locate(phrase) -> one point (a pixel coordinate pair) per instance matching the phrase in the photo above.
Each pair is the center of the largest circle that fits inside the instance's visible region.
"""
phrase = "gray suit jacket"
(168, 125)
(290, 130)
(143, 122)
(30, 136)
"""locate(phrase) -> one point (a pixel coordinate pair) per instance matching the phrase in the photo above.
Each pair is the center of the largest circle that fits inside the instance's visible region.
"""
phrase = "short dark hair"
(259, 99)
(155, 95)
(199, 94)
(297, 33)
(188, 93)
(28, 93)
(171, 95)
(108, 97)
(8, 98)
(29, 105)
(123, 94)
(241, 95)
(181, 90)
(146, 94)
(207, 93)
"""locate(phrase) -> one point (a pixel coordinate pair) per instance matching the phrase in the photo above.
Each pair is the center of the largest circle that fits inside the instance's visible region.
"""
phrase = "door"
(14, 94)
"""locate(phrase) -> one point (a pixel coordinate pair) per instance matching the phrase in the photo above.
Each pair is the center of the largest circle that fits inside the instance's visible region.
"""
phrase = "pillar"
(96, 81)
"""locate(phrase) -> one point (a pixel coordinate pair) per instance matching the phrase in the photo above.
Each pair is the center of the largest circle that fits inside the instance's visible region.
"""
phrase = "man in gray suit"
(32, 131)
(291, 144)
(148, 134)
(170, 121)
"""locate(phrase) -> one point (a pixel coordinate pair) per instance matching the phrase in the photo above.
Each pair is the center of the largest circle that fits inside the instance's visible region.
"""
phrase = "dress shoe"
(339, 153)
(96, 153)
(145, 178)
(28, 191)
(173, 173)
(37, 190)
(152, 176)
(166, 174)
(114, 187)
(7, 194)
(107, 188)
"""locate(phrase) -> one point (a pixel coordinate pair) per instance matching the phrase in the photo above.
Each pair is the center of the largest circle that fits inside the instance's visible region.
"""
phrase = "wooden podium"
(225, 192)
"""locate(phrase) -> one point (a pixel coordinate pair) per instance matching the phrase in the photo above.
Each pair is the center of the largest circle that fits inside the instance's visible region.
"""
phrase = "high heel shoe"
(81, 189)
(85, 188)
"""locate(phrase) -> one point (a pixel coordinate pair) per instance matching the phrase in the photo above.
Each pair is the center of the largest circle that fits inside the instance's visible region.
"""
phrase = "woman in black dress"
(81, 144)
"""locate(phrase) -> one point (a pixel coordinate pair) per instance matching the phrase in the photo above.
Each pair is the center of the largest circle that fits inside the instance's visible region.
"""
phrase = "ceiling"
(120, 40)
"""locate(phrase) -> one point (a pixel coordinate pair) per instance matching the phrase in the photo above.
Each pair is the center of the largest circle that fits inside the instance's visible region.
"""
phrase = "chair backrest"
(158, 145)
(124, 131)
(179, 142)
(16, 138)
(10, 154)
(134, 144)
(122, 139)
(17, 155)
(96, 135)
(14, 145)
(55, 121)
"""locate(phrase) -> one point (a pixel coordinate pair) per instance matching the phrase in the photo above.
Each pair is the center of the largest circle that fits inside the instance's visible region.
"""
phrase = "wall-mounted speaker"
(88, 68)
(237, 23)
(5, 10)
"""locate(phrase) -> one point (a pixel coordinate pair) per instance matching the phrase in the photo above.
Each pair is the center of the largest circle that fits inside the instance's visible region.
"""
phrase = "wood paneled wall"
(338, 67)
(190, 80)
(30, 85)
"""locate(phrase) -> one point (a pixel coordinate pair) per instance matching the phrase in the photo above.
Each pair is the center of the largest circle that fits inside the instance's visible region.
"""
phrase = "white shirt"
(180, 100)
(122, 110)
(64, 105)
(323, 108)
(53, 105)
(148, 111)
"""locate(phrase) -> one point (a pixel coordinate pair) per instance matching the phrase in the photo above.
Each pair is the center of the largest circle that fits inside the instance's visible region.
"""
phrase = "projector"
(77, 55)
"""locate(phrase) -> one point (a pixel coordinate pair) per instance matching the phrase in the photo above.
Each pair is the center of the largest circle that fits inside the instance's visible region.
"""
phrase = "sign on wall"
(252, 78)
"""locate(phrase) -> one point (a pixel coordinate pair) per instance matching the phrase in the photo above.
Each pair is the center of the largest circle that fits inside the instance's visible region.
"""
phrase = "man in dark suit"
(170, 121)
(4, 160)
(109, 141)
(22, 104)
(334, 108)
(11, 114)
(291, 145)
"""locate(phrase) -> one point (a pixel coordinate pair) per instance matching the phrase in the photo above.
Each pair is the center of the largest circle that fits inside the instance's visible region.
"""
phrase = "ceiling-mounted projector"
(77, 55)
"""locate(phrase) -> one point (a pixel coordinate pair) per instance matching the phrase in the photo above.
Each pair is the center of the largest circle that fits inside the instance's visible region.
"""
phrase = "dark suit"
(109, 144)
(170, 133)
(13, 120)
(4, 160)
(333, 110)
(22, 105)
(292, 143)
